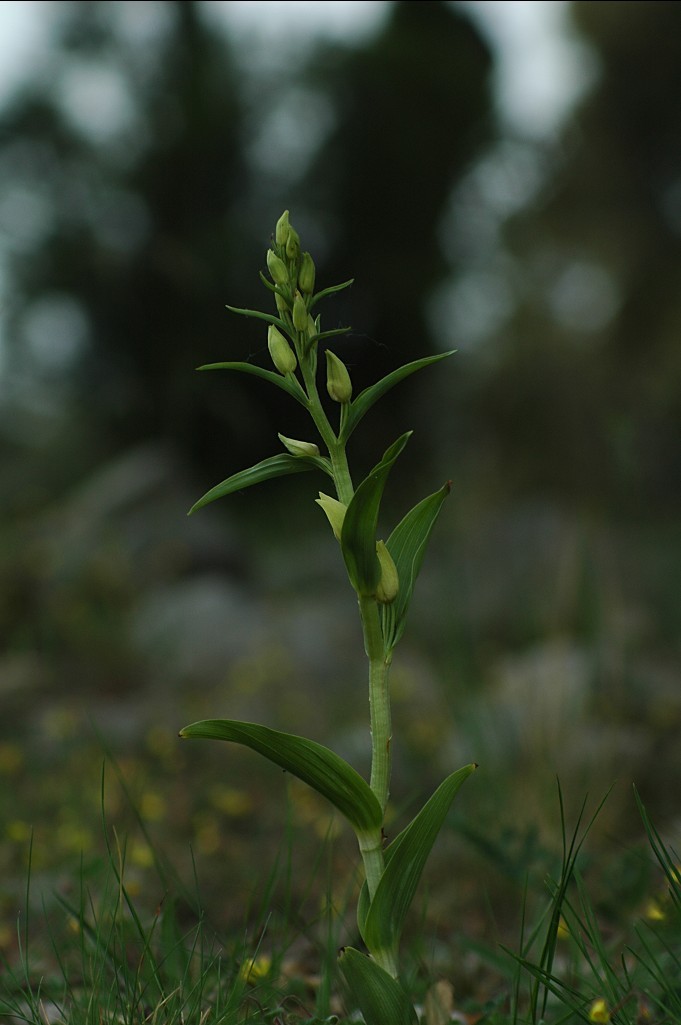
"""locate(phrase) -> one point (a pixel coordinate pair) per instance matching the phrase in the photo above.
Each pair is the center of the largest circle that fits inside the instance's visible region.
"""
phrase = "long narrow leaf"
(270, 318)
(407, 545)
(358, 536)
(381, 924)
(381, 999)
(366, 399)
(331, 290)
(275, 466)
(322, 769)
(288, 383)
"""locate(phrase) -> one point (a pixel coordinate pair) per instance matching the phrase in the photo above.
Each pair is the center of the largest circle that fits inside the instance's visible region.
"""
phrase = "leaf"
(366, 399)
(407, 545)
(329, 291)
(269, 317)
(358, 537)
(381, 999)
(382, 920)
(322, 769)
(275, 466)
(330, 334)
(288, 383)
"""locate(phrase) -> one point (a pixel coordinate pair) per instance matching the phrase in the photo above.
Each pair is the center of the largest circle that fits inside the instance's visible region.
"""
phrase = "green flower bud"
(283, 356)
(292, 243)
(282, 305)
(312, 328)
(335, 512)
(299, 448)
(306, 275)
(300, 313)
(282, 229)
(277, 268)
(338, 383)
(389, 584)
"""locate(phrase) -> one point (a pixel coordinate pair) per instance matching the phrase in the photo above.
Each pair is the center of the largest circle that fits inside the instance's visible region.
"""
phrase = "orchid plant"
(382, 573)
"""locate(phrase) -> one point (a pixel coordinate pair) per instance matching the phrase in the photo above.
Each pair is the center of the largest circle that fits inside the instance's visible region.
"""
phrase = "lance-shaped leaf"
(269, 318)
(322, 769)
(275, 466)
(358, 537)
(287, 383)
(366, 399)
(381, 999)
(381, 921)
(331, 290)
(407, 545)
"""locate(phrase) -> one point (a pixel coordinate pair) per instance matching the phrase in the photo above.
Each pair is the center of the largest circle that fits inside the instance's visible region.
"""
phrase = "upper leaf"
(330, 291)
(407, 545)
(288, 383)
(382, 920)
(275, 466)
(358, 537)
(322, 769)
(366, 399)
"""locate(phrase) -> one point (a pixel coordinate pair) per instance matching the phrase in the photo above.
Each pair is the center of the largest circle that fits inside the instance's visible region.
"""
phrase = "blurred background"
(499, 178)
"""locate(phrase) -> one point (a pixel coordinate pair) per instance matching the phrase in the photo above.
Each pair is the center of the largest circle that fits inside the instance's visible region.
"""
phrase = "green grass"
(100, 952)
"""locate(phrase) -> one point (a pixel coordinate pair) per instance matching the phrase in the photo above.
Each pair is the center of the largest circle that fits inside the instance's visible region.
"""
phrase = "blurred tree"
(127, 155)
(586, 399)
(131, 193)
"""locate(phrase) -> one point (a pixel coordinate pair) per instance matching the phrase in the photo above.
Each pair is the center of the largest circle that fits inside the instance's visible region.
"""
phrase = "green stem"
(379, 700)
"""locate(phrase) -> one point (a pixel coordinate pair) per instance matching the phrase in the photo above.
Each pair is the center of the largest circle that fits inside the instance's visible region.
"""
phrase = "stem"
(336, 448)
(379, 700)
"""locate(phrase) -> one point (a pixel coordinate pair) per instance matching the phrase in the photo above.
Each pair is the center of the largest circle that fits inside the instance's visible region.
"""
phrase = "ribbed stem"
(379, 701)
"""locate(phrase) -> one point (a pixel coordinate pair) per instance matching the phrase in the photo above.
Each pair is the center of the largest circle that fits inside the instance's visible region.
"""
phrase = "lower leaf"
(381, 921)
(322, 769)
(380, 998)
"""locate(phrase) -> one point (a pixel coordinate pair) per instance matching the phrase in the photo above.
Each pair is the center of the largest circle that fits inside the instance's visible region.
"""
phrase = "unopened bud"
(299, 448)
(283, 356)
(282, 305)
(292, 243)
(389, 583)
(312, 327)
(335, 512)
(307, 274)
(300, 313)
(338, 383)
(277, 268)
(282, 229)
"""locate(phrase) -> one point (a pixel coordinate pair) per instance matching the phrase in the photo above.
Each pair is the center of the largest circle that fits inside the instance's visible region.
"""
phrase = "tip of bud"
(300, 313)
(389, 583)
(306, 276)
(282, 229)
(335, 512)
(277, 269)
(299, 448)
(292, 243)
(338, 383)
(283, 356)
